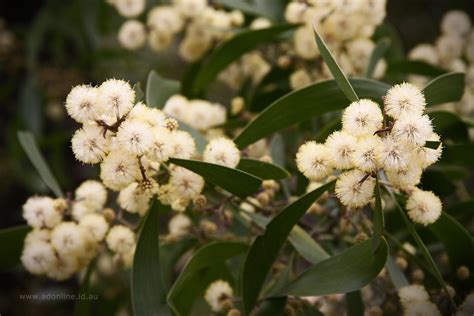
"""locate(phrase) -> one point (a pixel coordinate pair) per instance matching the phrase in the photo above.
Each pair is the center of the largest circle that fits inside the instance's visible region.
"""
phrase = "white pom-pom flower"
(165, 19)
(362, 117)
(405, 179)
(422, 308)
(155, 118)
(135, 137)
(366, 156)
(41, 211)
(428, 156)
(179, 225)
(413, 129)
(134, 199)
(129, 8)
(412, 293)
(456, 22)
(132, 35)
(63, 268)
(216, 293)
(120, 239)
(404, 99)
(69, 239)
(119, 169)
(38, 257)
(314, 161)
(352, 191)
(37, 235)
(92, 193)
(95, 225)
(89, 145)
(115, 98)
(341, 146)
(187, 184)
(182, 145)
(81, 104)
(162, 146)
(395, 155)
(424, 207)
(222, 151)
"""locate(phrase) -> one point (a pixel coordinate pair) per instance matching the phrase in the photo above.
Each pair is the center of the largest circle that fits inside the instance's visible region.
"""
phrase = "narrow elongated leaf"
(457, 241)
(415, 67)
(82, 307)
(11, 240)
(269, 9)
(237, 182)
(378, 217)
(169, 254)
(207, 256)
(28, 142)
(387, 30)
(306, 246)
(231, 50)
(396, 275)
(265, 248)
(336, 71)
(148, 290)
(277, 150)
(303, 104)
(445, 88)
(347, 272)
(449, 126)
(262, 169)
(377, 54)
(354, 304)
(460, 154)
(159, 89)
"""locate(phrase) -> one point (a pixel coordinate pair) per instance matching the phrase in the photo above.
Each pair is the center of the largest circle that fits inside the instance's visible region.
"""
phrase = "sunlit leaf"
(159, 90)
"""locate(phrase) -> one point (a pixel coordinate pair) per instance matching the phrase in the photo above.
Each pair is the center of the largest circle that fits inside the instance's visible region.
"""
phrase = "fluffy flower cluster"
(367, 146)
(453, 50)
(219, 296)
(67, 235)
(201, 115)
(201, 24)
(416, 301)
(348, 38)
(130, 141)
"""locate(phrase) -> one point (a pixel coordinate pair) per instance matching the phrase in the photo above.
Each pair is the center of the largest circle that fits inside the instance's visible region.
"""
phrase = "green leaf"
(347, 272)
(277, 150)
(269, 9)
(264, 249)
(354, 304)
(237, 182)
(378, 217)
(432, 144)
(445, 88)
(449, 125)
(272, 307)
(396, 275)
(207, 256)
(303, 104)
(138, 92)
(379, 51)
(199, 139)
(11, 240)
(262, 169)
(82, 307)
(415, 67)
(396, 50)
(231, 50)
(306, 246)
(336, 71)
(159, 90)
(460, 154)
(457, 241)
(148, 290)
(327, 129)
(28, 142)
(169, 254)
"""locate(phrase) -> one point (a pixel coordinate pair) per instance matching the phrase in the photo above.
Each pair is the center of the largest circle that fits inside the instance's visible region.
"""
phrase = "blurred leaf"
(432, 144)
(416, 67)
(283, 278)
(169, 254)
(264, 249)
(438, 182)
(378, 217)
(349, 271)
(231, 50)
(83, 307)
(200, 140)
(272, 10)
(449, 125)
(387, 30)
(445, 88)
(263, 170)
(272, 307)
(460, 154)
(452, 172)
(159, 90)
(304, 104)
(354, 304)
(306, 246)
(328, 128)
(11, 240)
(137, 87)
(396, 275)
(29, 145)
(234, 181)
(336, 71)
(277, 150)
(377, 54)
(457, 241)
(148, 289)
(207, 256)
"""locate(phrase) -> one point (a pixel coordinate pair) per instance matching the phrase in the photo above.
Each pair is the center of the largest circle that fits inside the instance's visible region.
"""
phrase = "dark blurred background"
(46, 47)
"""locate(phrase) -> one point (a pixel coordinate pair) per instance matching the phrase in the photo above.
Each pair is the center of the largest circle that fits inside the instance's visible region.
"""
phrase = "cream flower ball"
(120, 239)
(424, 207)
(428, 156)
(456, 22)
(222, 151)
(351, 191)
(89, 145)
(115, 98)
(404, 99)
(395, 155)
(81, 104)
(134, 199)
(92, 193)
(130, 8)
(186, 184)
(341, 146)
(38, 257)
(422, 308)
(132, 35)
(95, 225)
(412, 129)
(216, 293)
(135, 137)
(314, 161)
(362, 117)
(405, 179)
(119, 169)
(412, 293)
(42, 212)
(69, 239)
(182, 145)
(366, 156)
(179, 225)
(162, 146)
